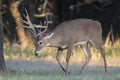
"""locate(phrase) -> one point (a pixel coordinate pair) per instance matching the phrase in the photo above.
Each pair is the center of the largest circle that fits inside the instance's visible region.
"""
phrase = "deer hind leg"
(58, 58)
(87, 54)
(103, 56)
(98, 46)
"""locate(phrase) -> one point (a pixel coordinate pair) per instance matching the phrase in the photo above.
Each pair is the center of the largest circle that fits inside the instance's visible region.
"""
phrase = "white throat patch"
(82, 42)
(64, 46)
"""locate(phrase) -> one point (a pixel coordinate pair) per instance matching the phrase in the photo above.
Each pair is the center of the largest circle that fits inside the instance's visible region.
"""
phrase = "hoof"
(67, 74)
(80, 73)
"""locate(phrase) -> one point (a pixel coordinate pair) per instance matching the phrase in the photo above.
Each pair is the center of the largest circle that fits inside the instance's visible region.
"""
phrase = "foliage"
(113, 51)
(105, 11)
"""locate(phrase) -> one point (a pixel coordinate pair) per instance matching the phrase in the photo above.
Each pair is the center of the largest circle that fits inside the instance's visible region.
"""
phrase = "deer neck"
(53, 40)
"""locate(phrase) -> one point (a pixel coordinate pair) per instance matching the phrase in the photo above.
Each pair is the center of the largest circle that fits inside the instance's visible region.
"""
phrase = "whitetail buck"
(67, 35)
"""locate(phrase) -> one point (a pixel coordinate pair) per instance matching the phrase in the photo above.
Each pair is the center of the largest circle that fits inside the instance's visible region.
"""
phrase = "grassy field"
(48, 69)
(22, 65)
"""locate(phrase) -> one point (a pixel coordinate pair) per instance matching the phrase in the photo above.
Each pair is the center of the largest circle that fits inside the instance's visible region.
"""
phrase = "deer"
(67, 35)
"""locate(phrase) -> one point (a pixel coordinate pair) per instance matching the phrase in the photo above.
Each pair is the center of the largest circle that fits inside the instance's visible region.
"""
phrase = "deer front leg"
(87, 54)
(69, 51)
(58, 58)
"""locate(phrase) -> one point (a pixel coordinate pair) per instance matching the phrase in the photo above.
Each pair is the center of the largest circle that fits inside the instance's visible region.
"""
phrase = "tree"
(20, 32)
(2, 61)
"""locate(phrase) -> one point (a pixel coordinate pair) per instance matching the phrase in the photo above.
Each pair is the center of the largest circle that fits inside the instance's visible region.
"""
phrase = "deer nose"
(37, 54)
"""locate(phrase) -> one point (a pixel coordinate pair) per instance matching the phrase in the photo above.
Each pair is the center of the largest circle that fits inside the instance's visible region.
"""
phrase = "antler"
(46, 27)
(32, 26)
(28, 23)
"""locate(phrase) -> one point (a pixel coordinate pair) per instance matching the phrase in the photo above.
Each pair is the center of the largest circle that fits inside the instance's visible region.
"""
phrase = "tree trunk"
(2, 61)
(20, 32)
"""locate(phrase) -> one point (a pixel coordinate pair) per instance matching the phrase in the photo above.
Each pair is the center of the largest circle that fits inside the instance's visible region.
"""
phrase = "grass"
(22, 65)
(47, 69)
(18, 69)
(111, 52)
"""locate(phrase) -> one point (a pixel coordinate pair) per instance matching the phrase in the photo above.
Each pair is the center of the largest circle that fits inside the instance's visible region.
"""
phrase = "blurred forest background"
(16, 40)
(57, 11)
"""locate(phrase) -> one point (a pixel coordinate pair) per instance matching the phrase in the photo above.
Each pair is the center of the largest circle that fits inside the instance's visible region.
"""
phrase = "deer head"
(42, 42)
(41, 39)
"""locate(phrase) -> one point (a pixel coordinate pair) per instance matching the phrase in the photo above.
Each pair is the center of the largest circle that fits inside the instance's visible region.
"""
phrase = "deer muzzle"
(37, 53)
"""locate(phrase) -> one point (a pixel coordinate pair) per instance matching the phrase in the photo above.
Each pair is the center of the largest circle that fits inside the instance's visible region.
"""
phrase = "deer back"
(77, 30)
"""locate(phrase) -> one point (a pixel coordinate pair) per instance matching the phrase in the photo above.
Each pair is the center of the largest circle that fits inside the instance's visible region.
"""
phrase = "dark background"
(105, 11)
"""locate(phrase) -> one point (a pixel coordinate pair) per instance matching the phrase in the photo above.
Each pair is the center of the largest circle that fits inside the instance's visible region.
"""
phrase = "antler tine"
(47, 20)
(24, 20)
(28, 18)
(46, 27)
(40, 32)
(39, 26)
(28, 22)
(22, 27)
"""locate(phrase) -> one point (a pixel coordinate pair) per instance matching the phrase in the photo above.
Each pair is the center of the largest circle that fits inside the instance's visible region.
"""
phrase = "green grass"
(22, 65)
(93, 73)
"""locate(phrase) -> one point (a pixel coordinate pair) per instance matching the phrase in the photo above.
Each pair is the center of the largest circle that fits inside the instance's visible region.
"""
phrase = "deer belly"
(64, 46)
(78, 43)
(81, 42)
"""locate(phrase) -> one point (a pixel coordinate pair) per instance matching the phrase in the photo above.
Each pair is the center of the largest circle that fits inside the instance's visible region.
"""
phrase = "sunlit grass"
(113, 51)
(15, 51)
(22, 65)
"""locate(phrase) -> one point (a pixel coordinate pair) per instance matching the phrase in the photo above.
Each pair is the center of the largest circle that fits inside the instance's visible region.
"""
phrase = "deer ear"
(49, 36)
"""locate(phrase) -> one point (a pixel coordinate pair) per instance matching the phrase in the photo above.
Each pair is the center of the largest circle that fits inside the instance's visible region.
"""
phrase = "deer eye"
(40, 42)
